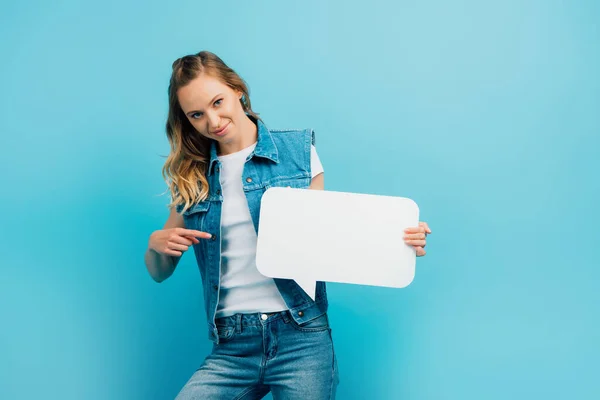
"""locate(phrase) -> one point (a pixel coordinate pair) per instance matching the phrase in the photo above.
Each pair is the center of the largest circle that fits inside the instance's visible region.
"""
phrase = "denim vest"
(281, 158)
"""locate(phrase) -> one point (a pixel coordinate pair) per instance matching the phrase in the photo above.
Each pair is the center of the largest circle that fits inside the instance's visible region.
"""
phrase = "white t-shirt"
(243, 288)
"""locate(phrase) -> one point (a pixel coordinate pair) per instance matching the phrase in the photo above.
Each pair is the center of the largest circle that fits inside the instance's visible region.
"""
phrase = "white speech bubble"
(316, 235)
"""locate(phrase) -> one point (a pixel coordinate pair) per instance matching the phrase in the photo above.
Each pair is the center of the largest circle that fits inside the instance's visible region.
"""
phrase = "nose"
(213, 121)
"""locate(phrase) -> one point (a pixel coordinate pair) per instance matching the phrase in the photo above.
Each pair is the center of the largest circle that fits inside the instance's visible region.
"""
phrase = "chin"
(227, 138)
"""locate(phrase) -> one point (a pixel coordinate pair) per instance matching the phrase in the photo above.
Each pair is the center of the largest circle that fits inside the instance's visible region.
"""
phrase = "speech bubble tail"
(310, 287)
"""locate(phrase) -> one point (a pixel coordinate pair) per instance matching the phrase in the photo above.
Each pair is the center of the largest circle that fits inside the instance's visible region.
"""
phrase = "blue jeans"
(262, 353)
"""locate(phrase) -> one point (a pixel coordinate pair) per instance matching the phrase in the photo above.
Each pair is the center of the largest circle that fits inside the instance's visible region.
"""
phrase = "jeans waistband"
(254, 319)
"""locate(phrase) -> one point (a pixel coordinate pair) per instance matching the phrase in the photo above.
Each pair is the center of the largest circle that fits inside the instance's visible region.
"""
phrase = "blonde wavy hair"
(185, 167)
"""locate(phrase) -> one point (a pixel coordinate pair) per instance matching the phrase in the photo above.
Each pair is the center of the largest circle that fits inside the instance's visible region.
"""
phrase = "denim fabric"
(281, 158)
(275, 354)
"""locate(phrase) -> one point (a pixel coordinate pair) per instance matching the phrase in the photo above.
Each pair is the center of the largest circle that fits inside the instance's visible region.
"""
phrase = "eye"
(196, 115)
(218, 102)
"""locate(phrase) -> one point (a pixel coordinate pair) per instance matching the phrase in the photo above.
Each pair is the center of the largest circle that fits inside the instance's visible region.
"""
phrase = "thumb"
(192, 238)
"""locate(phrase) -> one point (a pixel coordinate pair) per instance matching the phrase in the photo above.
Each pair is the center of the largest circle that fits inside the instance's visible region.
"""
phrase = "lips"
(221, 131)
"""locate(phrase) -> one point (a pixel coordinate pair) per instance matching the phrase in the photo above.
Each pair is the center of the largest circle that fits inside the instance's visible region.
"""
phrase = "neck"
(247, 135)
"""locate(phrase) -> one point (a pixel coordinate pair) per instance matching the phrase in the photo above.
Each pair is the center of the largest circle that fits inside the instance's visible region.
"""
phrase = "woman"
(269, 336)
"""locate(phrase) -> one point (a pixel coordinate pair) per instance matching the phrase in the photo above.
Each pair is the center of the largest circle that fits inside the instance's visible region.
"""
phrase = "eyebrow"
(212, 101)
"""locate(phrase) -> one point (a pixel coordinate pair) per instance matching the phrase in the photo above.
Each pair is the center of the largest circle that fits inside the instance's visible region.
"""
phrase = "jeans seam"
(332, 367)
(263, 360)
(245, 392)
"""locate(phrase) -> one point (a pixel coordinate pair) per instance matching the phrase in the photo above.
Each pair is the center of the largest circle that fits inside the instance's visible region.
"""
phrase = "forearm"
(160, 266)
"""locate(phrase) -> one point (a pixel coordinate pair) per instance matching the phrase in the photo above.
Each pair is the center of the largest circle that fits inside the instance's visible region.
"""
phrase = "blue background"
(485, 113)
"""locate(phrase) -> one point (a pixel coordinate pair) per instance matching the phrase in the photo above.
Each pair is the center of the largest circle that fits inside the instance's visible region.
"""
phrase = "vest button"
(218, 192)
(213, 237)
(300, 313)
(217, 169)
(248, 179)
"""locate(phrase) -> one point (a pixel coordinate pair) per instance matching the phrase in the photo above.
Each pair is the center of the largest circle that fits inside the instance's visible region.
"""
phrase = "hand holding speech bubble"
(316, 235)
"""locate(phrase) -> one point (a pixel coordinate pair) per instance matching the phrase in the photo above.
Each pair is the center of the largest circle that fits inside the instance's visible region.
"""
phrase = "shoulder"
(306, 135)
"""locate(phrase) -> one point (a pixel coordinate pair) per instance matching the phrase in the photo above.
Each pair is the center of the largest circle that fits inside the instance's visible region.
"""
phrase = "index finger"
(426, 226)
(415, 229)
(195, 233)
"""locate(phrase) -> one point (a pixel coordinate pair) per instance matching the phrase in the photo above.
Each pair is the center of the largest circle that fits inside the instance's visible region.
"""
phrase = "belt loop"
(238, 323)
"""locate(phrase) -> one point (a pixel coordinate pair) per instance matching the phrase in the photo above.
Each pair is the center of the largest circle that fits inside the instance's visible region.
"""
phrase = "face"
(213, 108)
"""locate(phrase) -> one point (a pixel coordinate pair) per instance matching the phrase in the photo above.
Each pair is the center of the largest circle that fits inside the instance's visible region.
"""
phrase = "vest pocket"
(198, 207)
(194, 217)
(297, 183)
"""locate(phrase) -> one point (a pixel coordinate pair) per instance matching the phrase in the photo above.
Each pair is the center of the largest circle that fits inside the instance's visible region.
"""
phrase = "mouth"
(221, 131)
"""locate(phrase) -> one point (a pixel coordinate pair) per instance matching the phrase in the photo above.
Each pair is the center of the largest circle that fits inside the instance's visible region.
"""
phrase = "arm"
(166, 246)
(159, 265)
(318, 182)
